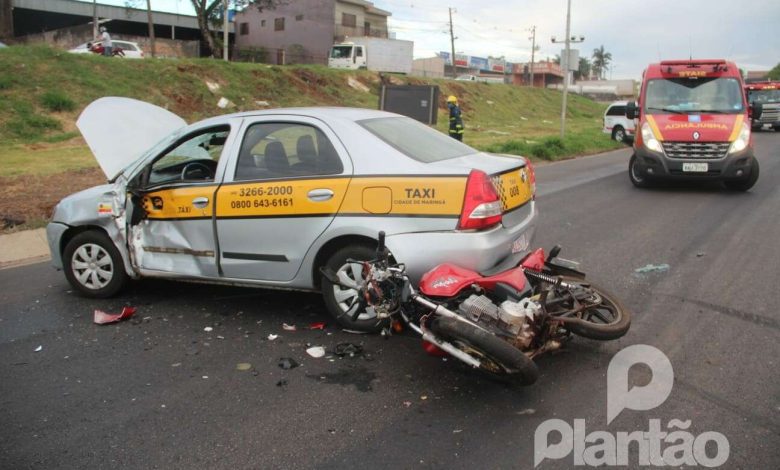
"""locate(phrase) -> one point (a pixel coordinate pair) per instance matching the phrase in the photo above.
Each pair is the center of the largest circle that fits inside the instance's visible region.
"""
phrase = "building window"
(262, 23)
(298, 17)
(243, 29)
(348, 20)
(279, 24)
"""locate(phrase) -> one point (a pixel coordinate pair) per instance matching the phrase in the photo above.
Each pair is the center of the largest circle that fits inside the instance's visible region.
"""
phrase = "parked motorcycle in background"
(496, 322)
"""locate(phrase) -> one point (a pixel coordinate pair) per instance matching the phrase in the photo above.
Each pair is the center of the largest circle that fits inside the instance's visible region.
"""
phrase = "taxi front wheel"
(93, 265)
(342, 300)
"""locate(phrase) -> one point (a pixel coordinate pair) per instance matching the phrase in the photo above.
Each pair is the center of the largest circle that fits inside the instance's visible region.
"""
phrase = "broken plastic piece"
(243, 366)
(103, 318)
(661, 268)
(317, 326)
(433, 350)
(208, 329)
(287, 363)
(316, 351)
(39, 349)
(272, 337)
(348, 349)
(287, 327)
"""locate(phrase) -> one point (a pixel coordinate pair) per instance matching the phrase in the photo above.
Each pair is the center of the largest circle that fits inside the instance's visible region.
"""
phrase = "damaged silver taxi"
(267, 198)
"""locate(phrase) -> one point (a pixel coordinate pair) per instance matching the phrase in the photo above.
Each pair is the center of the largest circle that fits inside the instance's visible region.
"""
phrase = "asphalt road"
(160, 392)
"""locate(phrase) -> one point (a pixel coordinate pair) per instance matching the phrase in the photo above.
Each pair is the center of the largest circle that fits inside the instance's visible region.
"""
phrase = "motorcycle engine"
(515, 318)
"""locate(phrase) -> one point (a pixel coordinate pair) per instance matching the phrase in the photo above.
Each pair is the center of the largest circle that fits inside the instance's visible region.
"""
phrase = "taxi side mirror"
(756, 109)
(632, 112)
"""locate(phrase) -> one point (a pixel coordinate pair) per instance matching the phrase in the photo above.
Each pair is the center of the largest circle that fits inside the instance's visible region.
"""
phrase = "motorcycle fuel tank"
(447, 280)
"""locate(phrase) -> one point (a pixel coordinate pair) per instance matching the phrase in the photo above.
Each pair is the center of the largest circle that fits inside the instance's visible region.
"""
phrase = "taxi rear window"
(415, 139)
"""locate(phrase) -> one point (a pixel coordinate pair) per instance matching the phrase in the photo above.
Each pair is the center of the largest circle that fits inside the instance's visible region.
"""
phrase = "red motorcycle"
(496, 322)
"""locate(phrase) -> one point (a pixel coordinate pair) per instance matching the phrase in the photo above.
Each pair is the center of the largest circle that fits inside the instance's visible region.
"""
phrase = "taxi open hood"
(120, 130)
(711, 127)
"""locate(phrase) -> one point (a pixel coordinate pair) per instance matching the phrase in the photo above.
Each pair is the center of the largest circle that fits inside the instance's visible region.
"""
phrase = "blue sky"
(636, 32)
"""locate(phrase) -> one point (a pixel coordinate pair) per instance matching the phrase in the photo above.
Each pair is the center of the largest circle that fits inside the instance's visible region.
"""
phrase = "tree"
(774, 74)
(601, 60)
(135, 4)
(210, 12)
(583, 72)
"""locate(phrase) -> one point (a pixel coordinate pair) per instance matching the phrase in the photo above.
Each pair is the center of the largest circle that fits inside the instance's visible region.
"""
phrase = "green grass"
(22, 160)
(42, 91)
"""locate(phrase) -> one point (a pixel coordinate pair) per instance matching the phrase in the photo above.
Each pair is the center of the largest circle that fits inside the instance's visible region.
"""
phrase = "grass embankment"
(42, 91)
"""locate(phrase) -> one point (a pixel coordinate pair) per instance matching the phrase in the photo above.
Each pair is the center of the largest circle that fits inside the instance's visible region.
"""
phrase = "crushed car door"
(289, 179)
(171, 223)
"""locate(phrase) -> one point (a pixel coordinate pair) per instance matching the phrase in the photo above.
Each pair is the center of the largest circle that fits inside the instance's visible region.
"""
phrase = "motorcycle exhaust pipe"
(443, 345)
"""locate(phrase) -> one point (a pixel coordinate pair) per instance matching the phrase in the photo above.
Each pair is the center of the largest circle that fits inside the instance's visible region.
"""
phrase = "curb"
(22, 248)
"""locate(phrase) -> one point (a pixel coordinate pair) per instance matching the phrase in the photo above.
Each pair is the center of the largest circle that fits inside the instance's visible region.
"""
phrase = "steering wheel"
(195, 166)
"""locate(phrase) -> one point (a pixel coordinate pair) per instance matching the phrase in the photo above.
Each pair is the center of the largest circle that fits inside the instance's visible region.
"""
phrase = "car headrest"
(276, 158)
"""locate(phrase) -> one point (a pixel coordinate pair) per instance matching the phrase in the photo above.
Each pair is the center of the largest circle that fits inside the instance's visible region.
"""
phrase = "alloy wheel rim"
(346, 295)
(92, 266)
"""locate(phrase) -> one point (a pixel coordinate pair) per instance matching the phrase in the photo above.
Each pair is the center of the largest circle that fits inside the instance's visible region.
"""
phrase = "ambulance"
(693, 123)
(767, 96)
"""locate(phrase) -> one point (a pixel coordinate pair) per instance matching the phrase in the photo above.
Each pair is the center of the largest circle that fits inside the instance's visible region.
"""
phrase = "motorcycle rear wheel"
(606, 321)
(499, 359)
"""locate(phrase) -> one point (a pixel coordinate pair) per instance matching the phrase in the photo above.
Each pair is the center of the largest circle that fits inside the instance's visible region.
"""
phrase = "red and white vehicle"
(693, 124)
(616, 124)
(767, 95)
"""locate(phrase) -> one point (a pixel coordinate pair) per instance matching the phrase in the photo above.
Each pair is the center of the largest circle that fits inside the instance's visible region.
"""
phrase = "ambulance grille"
(698, 150)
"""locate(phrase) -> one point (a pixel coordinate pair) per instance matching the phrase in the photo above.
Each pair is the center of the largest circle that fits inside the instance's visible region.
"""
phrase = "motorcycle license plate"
(696, 167)
(520, 244)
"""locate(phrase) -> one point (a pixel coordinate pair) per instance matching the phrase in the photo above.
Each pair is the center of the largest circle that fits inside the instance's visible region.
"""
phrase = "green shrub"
(57, 101)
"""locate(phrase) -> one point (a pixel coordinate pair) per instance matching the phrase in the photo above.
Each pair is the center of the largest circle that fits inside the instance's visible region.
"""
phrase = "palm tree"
(601, 60)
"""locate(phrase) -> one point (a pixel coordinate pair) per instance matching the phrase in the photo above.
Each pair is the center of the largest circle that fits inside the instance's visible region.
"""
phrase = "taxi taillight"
(481, 205)
(531, 176)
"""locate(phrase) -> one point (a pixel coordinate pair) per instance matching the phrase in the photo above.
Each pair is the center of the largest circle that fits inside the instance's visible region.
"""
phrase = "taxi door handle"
(200, 202)
(320, 195)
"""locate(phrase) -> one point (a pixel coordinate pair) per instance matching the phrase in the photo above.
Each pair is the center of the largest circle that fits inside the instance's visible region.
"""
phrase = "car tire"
(619, 134)
(636, 178)
(340, 300)
(746, 183)
(93, 265)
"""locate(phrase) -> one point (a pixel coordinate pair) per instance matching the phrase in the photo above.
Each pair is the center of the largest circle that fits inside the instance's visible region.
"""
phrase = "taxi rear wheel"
(93, 265)
(342, 300)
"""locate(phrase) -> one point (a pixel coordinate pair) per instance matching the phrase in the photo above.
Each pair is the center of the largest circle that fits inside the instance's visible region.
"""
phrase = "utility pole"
(452, 44)
(533, 50)
(94, 19)
(151, 26)
(565, 60)
(225, 37)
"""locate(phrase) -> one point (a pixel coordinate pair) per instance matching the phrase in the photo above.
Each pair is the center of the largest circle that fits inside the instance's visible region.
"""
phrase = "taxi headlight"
(649, 139)
(742, 140)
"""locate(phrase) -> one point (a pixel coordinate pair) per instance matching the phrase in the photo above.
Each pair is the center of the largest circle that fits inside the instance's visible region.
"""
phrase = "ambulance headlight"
(649, 139)
(742, 140)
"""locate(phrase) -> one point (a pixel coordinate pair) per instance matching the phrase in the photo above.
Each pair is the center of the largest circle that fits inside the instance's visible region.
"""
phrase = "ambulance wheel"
(635, 175)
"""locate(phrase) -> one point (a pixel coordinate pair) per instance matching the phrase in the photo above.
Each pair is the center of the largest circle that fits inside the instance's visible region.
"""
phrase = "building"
(303, 31)
(68, 23)
(545, 73)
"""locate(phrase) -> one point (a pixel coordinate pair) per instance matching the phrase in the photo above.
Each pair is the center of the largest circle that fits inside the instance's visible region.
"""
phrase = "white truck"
(376, 54)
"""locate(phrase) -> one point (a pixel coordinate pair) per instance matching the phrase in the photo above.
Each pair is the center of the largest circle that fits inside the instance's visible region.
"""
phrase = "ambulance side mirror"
(755, 110)
(632, 112)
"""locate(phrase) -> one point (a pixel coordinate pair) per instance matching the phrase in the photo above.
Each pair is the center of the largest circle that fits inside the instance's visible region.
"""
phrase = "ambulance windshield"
(694, 95)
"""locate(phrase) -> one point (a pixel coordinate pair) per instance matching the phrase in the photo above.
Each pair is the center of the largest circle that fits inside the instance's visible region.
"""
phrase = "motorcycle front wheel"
(498, 359)
(605, 320)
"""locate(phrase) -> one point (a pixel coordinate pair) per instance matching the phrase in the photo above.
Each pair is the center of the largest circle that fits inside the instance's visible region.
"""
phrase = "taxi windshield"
(693, 95)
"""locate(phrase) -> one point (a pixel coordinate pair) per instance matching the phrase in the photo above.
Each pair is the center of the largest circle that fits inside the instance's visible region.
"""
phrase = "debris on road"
(316, 351)
(527, 411)
(317, 326)
(39, 349)
(354, 332)
(407, 404)
(347, 349)
(243, 366)
(700, 254)
(287, 363)
(287, 327)
(208, 329)
(272, 337)
(281, 383)
(103, 318)
(652, 268)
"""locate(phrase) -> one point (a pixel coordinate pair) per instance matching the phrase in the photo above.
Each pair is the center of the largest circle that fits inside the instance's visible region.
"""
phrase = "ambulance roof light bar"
(719, 65)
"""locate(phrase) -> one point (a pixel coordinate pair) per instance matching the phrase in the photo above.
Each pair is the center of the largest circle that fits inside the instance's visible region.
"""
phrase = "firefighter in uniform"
(456, 123)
